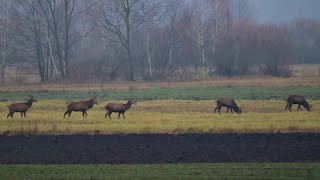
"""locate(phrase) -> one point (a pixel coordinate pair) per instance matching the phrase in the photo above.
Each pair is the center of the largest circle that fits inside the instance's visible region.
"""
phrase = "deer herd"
(83, 106)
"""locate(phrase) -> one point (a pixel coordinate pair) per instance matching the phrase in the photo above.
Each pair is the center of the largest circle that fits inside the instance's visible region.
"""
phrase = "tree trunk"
(4, 41)
(148, 56)
(52, 63)
(61, 63)
(66, 43)
(3, 60)
(170, 51)
(128, 46)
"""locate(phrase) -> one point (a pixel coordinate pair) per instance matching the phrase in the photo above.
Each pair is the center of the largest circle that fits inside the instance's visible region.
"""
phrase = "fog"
(157, 39)
(280, 11)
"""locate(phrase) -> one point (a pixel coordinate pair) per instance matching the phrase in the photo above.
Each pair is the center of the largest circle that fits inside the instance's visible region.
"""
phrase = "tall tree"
(4, 18)
(116, 21)
(50, 27)
(200, 28)
(153, 17)
(173, 12)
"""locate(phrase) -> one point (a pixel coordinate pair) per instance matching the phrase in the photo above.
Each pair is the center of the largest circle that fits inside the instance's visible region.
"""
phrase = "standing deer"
(229, 103)
(21, 107)
(82, 106)
(119, 108)
(297, 99)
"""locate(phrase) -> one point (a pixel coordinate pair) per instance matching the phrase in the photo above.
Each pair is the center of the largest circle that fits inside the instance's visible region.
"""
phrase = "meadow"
(180, 93)
(162, 117)
(164, 171)
(165, 108)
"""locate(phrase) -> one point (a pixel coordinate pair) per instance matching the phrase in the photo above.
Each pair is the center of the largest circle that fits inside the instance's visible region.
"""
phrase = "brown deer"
(81, 106)
(297, 99)
(229, 103)
(119, 108)
(21, 107)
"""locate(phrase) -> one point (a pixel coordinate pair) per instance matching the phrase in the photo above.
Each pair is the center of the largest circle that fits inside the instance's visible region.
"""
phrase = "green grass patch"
(164, 171)
(203, 93)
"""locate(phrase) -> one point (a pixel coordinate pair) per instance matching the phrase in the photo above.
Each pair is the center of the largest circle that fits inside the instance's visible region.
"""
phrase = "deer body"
(229, 103)
(297, 99)
(119, 108)
(20, 107)
(81, 106)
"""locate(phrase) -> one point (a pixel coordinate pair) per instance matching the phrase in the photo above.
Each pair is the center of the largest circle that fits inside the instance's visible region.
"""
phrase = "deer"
(119, 108)
(229, 103)
(81, 106)
(297, 99)
(21, 107)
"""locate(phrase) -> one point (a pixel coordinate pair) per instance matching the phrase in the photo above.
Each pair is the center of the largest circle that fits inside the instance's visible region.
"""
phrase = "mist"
(281, 11)
(156, 39)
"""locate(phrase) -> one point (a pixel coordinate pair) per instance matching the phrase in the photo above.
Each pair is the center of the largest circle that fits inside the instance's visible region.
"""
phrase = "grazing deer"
(119, 108)
(82, 106)
(229, 103)
(297, 99)
(21, 107)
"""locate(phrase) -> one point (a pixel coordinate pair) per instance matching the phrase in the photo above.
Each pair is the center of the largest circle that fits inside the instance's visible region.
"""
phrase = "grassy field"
(163, 116)
(166, 110)
(24, 79)
(192, 93)
(164, 171)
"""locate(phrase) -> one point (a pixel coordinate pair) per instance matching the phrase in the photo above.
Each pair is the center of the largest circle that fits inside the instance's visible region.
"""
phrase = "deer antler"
(28, 93)
(94, 94)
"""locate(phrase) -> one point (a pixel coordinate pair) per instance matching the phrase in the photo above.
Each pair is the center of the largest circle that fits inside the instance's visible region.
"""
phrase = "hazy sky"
(285, 10)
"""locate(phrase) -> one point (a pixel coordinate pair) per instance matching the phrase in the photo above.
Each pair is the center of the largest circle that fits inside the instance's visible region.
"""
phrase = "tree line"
(150, 39)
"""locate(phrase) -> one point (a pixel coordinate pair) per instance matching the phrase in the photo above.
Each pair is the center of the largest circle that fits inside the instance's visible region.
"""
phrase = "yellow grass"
(304, 70)
(168, 116)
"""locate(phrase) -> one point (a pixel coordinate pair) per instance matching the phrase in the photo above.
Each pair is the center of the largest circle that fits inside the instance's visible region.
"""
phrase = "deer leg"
(21, 114)
(109, 114)
(299, 108)
(289, 107)
(67, 112)
(286, 108)
(215, 110)
(24, 115)
(119, 115)
(10, 114)
(231, 110)
(227, 110)
(123, 116)
(86, 113)
(105, 116)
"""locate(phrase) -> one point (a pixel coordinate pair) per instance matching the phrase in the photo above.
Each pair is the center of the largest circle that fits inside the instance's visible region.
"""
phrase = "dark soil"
(81, 149)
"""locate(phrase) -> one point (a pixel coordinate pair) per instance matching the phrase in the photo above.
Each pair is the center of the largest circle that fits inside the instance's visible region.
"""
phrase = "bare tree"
(200, 29)
(173, 12)
(276, 50)
(4, 16)
(50, 26)
(153, 16)
(37, 36)
(220, 24)
(116, 21)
